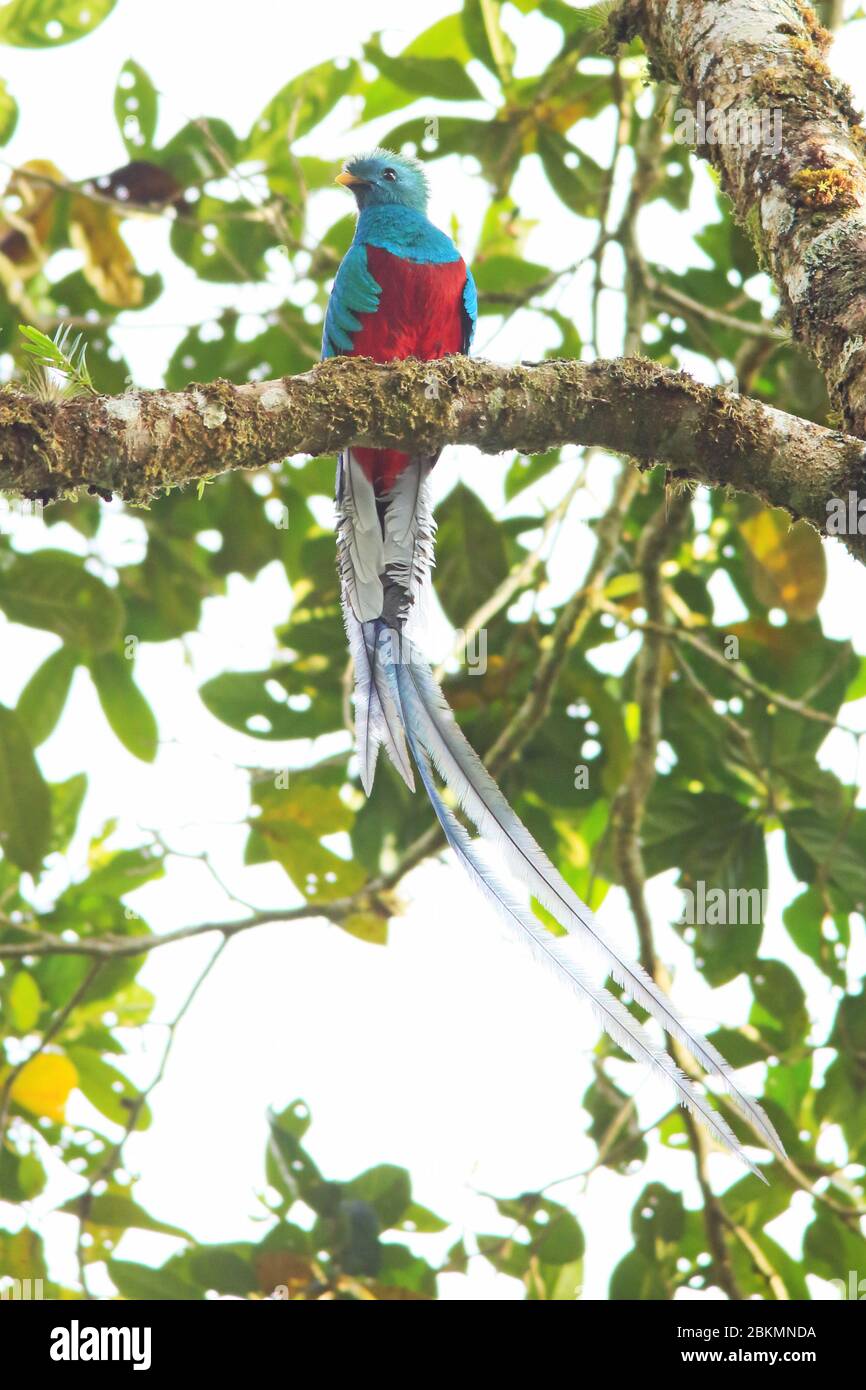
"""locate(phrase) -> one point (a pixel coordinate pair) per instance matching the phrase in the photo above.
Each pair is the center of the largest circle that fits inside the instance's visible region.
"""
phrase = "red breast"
(420, 314)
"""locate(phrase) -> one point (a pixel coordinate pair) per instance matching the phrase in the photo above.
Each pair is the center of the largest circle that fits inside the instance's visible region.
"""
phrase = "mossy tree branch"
(140, 443)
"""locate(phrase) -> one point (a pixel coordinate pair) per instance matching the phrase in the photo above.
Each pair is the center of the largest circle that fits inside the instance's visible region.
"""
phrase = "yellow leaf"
(367, 926)
(787, 565)
(562, 118)
(394, 1294)
(43, 1085)
(25, 232)
(320, 810)
(284, 1269)
(94, 229)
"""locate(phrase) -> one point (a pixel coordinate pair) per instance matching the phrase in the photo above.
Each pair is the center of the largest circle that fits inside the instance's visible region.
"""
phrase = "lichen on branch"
(801, 197)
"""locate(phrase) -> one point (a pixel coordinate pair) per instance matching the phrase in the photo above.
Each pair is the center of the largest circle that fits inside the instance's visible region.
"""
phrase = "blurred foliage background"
(735, 746)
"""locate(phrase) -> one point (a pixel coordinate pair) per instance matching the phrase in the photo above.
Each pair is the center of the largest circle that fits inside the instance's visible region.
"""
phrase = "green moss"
(754, 231)
(810, 58)
(777, 82)
(821, 37)
(826, 190)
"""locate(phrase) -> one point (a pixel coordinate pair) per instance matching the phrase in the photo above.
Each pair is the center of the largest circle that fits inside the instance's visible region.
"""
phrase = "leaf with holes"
(136, 107)
(50, 23)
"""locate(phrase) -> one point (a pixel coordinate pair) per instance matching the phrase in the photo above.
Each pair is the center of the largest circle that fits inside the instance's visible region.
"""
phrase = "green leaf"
(124, 706)
(202, 150)
(225, 1268)
(296, 108)
(842, 1099)
(66, 801)
(247, 701)
(386, 1188)
(136, 108)
(780, 1004)
(607, 1105)
(507, 275)
(288, 1166)
(62, 354)
(471, 554)
(400, 1269)
(32, 1177)
(833, 1250)
(424, 68)
(706, 835)
(25, 804)
(294, 813)
(41, 702)
(115, 874)
(444, 78)
(22, 1255)
(24, 1001)
(371, 927)
(576, 179)
(525, 471)
(249, 537)
(51, 589)
(142, 1282)
(822, 937)
(50, 23)
(116, 1212)
(164, 594)
(421, 1220)
(830, 849)
(637, 1279)
(8, 113)
(486, 38)
(586, 19)
(857, 688)
(657, 1217)
(225, 249)
(107, 1089)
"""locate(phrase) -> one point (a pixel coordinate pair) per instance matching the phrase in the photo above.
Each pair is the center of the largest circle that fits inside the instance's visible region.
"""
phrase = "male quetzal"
(403, 290)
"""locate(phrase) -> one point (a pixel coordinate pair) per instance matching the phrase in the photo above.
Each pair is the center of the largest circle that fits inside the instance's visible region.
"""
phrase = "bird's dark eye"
(389, 174)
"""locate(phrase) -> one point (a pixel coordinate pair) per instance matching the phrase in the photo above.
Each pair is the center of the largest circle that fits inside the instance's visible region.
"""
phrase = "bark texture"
(800, 187)
(140, 443)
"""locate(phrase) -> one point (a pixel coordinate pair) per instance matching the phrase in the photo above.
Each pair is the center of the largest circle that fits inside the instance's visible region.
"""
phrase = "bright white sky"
(447, 1052)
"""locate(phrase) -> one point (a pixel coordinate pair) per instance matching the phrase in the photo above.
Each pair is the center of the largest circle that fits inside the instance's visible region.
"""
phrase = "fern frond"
(61, 356)
(593, 17)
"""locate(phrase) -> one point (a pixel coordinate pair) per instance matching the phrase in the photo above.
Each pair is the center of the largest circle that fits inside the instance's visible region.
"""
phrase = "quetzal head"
(382, 179)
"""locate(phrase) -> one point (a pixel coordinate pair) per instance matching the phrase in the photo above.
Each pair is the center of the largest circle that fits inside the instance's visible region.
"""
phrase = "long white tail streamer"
(434, 726)
(613, 1016)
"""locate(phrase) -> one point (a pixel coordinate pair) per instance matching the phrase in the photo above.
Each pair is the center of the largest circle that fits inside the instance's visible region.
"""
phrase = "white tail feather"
(409, 534)
(386, 553)
(613, 1016)
(485, 804)
(376, 719)
(359, 539)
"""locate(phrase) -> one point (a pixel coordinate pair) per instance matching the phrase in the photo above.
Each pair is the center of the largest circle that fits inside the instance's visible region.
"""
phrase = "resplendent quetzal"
(403, 290)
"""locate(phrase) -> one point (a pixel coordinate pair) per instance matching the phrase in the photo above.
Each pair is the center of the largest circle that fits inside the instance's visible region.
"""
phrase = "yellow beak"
(348, 180)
